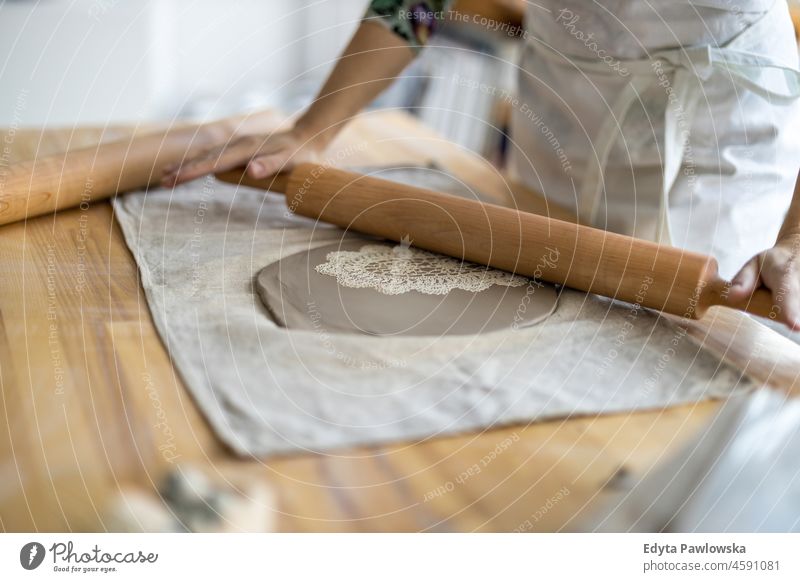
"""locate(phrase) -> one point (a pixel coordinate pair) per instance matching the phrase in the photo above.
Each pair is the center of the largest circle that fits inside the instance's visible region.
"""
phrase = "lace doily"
(394, 270)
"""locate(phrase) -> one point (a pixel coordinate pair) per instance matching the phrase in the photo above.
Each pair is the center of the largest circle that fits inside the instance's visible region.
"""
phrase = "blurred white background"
(99, 62)
(102, 62)
(109, 61)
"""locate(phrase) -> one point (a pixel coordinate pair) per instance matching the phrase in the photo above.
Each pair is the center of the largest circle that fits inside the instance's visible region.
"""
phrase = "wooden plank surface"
(90, 402)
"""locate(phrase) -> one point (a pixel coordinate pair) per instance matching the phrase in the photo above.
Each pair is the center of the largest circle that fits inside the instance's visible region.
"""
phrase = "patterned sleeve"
(412, 20)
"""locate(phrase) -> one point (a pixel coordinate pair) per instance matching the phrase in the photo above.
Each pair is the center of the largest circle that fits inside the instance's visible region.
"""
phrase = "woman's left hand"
(777, 270)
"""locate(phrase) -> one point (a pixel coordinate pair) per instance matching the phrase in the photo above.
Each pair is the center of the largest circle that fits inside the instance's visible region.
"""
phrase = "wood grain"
(83, 405)
(82, 175)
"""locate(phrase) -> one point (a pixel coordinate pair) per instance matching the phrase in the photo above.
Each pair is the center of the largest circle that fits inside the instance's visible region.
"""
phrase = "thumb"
(266, 165)
(746, 281)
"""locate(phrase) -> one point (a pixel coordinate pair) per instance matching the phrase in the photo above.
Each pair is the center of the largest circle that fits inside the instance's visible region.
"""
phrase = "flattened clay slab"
(385, 289)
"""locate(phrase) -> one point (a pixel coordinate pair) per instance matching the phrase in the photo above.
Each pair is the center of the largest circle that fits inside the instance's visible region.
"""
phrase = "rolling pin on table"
(678, 282)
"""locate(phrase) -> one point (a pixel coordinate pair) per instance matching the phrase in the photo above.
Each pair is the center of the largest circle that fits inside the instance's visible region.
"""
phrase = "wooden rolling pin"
(80, 176)
(664, 278)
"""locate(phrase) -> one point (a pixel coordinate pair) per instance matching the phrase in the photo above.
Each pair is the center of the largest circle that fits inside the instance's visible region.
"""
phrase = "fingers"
(267, 165)
(781, 274)
(217, 160)
(791, 304)
(189, 170)
(746, 281)
(194, 168)
(263, 156)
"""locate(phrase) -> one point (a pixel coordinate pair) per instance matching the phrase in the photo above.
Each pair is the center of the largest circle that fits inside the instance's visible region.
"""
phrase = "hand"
(263, 157)
(778, 270)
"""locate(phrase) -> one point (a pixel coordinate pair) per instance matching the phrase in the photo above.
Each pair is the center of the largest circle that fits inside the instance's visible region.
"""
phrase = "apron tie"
(681, 72)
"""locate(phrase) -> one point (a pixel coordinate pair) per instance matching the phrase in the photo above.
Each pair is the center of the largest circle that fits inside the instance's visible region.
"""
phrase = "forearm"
(372, 60)
(791, 224)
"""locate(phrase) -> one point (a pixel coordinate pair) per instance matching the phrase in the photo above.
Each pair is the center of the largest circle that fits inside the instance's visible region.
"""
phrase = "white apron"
(670, 120)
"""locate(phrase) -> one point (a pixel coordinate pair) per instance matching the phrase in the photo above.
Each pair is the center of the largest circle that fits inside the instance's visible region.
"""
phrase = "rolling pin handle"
(759, 303)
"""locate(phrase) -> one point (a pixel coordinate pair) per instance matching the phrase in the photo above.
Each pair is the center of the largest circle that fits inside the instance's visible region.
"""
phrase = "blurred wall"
(111, 61)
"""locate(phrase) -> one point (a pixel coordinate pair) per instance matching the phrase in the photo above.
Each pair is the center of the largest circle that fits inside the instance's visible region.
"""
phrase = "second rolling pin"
(84, 175)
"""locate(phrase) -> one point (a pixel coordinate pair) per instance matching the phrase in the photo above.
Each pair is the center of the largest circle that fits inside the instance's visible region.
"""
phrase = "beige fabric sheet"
(266, 390)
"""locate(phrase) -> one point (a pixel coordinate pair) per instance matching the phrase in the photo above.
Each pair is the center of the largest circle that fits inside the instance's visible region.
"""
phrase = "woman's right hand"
(263, 156)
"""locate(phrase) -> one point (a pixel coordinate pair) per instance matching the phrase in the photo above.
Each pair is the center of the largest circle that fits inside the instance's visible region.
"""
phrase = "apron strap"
(760, 74)
(593, 184)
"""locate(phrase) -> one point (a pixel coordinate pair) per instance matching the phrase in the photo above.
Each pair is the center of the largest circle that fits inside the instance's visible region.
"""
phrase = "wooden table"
(85, 380)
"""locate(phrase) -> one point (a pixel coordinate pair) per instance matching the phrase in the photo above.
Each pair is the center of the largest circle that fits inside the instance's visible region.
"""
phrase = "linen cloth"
(267, 390)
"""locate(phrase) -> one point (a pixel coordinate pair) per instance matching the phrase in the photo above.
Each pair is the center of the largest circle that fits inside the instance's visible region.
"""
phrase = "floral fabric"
(412, 20)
